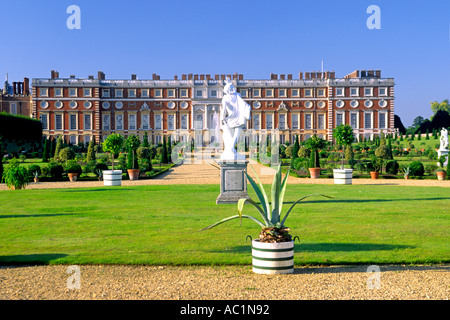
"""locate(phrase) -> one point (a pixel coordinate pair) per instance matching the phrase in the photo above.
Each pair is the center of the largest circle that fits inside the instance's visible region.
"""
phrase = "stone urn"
(315, 173)
(441, 174)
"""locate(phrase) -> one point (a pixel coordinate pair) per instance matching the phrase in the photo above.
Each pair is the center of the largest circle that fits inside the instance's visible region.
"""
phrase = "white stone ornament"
(234, 113)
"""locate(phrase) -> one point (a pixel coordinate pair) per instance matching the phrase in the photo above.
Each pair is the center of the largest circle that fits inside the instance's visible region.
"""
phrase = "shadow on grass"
(367, 200)
(27, 259)
(325, 247)
(364, 268)
(44, 215)
(106, 189)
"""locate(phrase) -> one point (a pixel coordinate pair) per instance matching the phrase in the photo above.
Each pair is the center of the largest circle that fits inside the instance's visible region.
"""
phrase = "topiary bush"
(392, 167)
(417, 168)
(72, 166)
(56, 170)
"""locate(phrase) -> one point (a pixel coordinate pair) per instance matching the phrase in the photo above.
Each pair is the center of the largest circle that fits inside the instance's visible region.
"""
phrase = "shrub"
(73, 167)
(56, 170)
(34, 168)
(91, 151)
(303, 152)
(299, 164)
(66, 154)
(99, 167)
(417, 168)
(392, 167)
(15, 176)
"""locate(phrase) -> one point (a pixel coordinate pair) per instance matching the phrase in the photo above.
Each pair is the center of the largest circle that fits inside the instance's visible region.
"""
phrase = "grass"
(158, 225)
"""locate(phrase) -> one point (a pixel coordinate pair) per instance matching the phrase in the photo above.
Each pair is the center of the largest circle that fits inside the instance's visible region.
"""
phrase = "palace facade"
(313, 103)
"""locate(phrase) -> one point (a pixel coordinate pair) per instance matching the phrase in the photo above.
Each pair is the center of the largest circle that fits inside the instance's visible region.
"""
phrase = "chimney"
(133, 77)
(217, 77)
(14, 87)
(195, 76)
(300, 75)
(175, 77)
(241, 77)
(282, 77)
(222, 76)
(190, 76)
(289, 76)
(183, 77)
(101, 75)
(91, 77)
(202, 77)
(54, 74)
(378, 73)
(72, 76)
(26, 86)
(273, 76)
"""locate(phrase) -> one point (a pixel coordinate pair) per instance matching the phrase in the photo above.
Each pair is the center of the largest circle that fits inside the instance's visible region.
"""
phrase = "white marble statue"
(444, 139)
(234, 114)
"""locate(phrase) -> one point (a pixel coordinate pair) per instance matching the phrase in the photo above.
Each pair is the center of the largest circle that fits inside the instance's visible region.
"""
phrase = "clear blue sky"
(252, 37)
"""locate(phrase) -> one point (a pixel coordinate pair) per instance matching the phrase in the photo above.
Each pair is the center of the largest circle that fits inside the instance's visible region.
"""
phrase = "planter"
(272, 258)
(73, 176)
(314, 172)
(441, 175)
(374, 174)
(36, 179)
(343, 176)
(112, 177)
(406, 177)
(133, 174)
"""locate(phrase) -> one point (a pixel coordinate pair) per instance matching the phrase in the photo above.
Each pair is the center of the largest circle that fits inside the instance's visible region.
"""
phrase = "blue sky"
(251, 37)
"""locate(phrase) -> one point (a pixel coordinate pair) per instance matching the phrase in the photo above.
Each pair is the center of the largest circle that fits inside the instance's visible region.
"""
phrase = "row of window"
(214, 93)
(59, 121)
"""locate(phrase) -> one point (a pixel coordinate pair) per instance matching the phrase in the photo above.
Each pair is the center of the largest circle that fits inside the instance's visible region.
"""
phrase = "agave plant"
(273, 223)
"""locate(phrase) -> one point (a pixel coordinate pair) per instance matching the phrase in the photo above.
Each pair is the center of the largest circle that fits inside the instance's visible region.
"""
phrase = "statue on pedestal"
(443, 148)
(234, 114)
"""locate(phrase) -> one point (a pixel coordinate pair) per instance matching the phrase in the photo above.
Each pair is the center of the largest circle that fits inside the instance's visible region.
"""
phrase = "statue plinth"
(233, 181)
(443, 152)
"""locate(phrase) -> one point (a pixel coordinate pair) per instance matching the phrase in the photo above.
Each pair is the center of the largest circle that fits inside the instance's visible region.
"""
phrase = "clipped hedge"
(15, 128)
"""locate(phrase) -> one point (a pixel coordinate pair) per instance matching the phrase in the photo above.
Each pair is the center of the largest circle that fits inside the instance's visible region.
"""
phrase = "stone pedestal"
(443, 152)
(233, 181)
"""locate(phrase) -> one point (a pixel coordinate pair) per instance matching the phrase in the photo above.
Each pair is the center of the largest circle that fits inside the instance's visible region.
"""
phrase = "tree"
(417, 122)
(145, 142)
(46, 151)
(441, 120)
(295, 149)
(164, 157)
(440, 106)
(399, 125)
(343, 134)
(315, 144)
(113, 144)
(132, 144)
(59, 145)
(91, 151)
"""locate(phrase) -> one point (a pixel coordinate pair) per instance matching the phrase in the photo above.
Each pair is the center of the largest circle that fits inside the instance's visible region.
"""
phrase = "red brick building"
(16, 98)
(313, 103)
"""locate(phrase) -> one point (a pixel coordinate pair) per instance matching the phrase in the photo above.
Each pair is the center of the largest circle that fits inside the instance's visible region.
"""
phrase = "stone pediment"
(145, 107)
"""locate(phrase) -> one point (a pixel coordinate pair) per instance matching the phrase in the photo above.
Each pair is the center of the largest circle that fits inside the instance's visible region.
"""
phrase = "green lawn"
(159, 225)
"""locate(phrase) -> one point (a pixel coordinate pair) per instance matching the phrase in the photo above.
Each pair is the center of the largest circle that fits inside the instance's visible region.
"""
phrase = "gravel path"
(105, 282)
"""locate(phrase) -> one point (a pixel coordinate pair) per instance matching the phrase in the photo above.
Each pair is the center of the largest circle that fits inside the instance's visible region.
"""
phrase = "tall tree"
(440, 106)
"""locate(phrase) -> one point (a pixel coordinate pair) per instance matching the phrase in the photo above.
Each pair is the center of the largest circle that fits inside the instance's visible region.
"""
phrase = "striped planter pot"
(272, 258)
(112, 177)
(343, 176)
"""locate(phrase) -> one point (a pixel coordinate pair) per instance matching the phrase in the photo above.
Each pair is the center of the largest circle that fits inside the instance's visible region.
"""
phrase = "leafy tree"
(343, 134)
(132, 144)
(145, 142)
(417, 122)
(113, 144)
(67, 154)
(315, 144)
(399, 125)
(440, 106)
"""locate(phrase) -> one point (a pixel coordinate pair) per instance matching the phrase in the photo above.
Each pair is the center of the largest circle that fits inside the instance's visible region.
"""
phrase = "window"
(73, 104)
(282, 92)
(132, 122)
(308, 124)
(184, 93)
(87, 139)
(119, 105)
(269, 92)
(382, 120)
(58, 122)
(44, 121)
(118, 93)
(13, 108)
(105, 93)
(158, 93)
(87, 92)
(308, 92)
(145, 93)
(43, 92)
(170, 122)
(368, 92)
(382, 92)
(131, 93)
(158, 121)
(339, 92)
(73, 139)
(214, 93)
(171, 93)
(354, 120)
(199, 122)
(295, 93)
(87, 121)
(339, 119)
(184, 119)
(367, 120)
(256, 122)
(269, 122)
(282, 121)
(199, 93)
(58, 92)
(145, 122)
(354, 92)
(257, 93)
(73, 92)
(244, 93)
(106, 122)
(73, 122)
(321, 92)
(119, 122)
(320, 121)
(294, 120)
